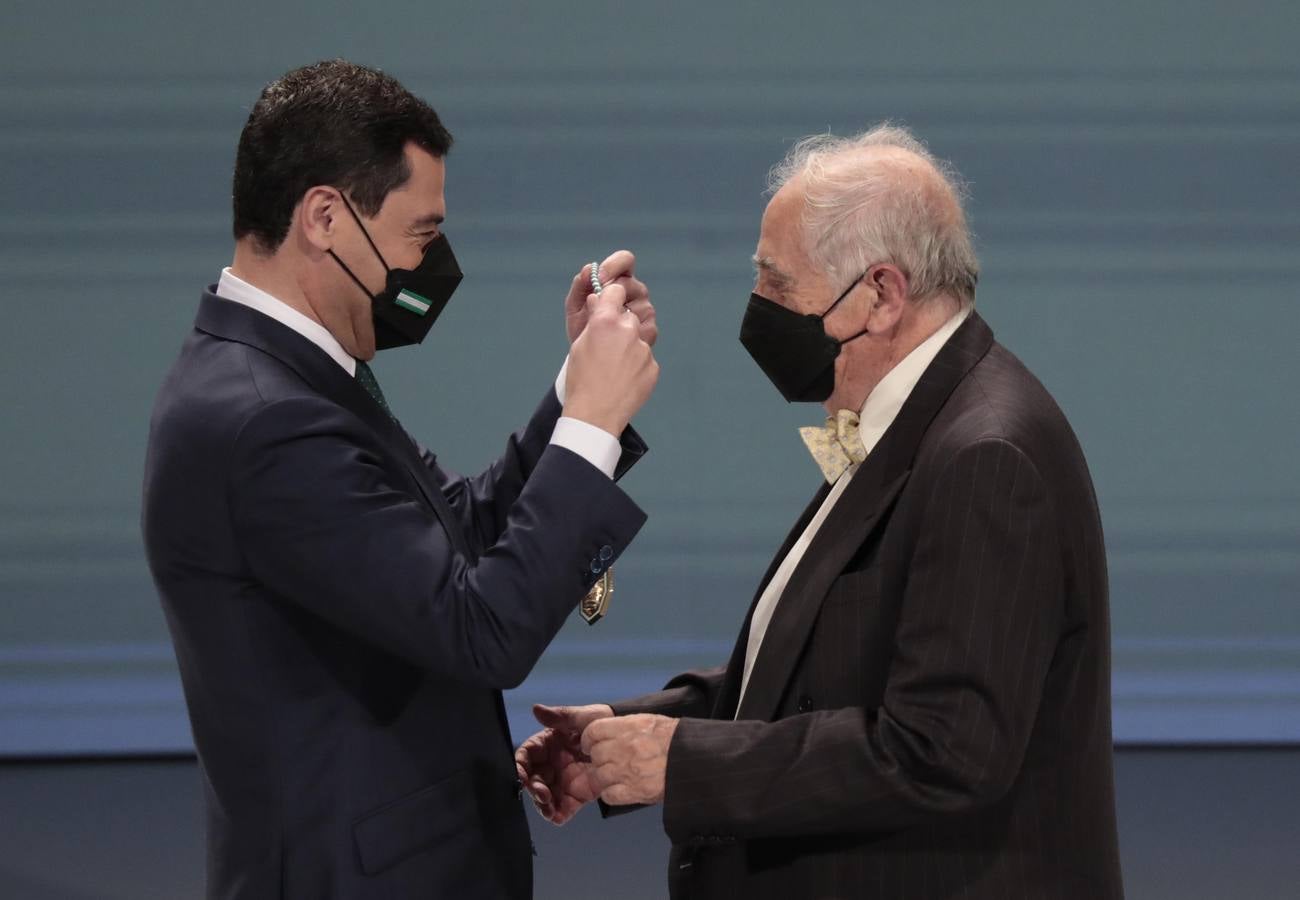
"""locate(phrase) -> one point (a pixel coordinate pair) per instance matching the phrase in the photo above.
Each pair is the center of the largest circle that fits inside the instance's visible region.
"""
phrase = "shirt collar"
(232, 287)
(887, 397)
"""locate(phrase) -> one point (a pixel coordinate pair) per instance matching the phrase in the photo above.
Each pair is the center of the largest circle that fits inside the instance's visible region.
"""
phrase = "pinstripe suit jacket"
(929, 714)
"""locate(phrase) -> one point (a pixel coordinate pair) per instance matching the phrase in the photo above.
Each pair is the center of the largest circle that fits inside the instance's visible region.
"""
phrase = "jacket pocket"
(848, 654)
(440, 813)
(856, 587)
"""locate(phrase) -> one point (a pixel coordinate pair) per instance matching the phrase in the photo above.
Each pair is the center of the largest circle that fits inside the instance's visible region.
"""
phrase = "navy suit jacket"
(346, 613)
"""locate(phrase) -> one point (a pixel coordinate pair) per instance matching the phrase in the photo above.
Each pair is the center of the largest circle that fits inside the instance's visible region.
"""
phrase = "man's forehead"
(786, 205)
(780, 238)
(421, 202)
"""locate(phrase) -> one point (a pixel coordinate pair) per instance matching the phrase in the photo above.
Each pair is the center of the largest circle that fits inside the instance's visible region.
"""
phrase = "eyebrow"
(766, 264)
(427, 221)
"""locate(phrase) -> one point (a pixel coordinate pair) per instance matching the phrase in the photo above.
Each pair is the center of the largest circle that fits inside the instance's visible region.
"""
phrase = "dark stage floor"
(1194, 825)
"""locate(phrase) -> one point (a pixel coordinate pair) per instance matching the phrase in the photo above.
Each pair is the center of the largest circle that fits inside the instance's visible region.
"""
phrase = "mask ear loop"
(847, 290)
(365, 290)
(366, 233)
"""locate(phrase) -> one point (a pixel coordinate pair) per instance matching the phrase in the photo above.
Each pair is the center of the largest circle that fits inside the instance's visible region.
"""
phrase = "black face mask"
(413, 299)
(793, 350)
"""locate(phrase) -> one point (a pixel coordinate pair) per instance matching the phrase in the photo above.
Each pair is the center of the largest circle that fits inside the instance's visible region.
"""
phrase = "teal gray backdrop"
(1134, 171)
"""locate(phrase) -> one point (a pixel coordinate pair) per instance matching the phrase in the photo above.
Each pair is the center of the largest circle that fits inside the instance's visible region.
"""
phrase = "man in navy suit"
(345, 611)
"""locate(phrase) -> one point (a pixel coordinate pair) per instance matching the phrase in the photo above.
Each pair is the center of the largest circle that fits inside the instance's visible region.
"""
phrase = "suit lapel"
(725, 705)
(235, 322)
(860, 510)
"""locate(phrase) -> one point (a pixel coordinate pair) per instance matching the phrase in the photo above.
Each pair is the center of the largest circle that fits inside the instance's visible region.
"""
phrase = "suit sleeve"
(980, 620)
(689, 694)
(482, 502)
(322, 522)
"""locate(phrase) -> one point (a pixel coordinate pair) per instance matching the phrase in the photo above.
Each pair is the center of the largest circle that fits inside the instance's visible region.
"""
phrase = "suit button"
(596, 567)
(606, 553)
(805, 704)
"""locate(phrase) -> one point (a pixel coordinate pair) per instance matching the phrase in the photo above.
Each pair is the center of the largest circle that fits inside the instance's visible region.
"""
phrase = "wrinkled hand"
(629, 756)
(551, 765)
(618, 268)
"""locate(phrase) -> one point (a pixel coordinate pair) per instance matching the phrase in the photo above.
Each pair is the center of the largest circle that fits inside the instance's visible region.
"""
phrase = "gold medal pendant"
(594, 606)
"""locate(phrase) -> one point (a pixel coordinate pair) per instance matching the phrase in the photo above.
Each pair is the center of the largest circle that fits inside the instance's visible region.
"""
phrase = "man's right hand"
(612, 371)
(551, 764)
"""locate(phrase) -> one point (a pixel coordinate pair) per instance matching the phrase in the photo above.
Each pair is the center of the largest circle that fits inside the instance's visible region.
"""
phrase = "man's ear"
(318, 215)
(891, 287)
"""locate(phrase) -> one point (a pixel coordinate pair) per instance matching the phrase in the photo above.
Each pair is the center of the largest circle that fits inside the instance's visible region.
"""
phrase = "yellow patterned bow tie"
(836, 446)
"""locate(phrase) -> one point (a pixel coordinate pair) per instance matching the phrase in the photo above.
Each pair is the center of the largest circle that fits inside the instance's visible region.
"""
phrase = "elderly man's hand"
(618, 268)
(629, 756)
(551, 764)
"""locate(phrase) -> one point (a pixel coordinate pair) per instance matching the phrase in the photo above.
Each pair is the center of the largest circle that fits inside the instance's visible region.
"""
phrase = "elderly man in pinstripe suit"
(918, 703)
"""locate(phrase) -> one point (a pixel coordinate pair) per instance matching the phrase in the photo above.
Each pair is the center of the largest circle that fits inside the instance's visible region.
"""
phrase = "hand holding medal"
(611, 368)
(619, 268)
(594, 606)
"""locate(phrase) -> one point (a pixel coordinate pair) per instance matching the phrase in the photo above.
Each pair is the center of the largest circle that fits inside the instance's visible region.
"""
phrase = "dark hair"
(334, 123)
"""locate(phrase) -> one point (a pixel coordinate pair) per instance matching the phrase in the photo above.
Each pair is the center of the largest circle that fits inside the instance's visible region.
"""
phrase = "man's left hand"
(629, 756)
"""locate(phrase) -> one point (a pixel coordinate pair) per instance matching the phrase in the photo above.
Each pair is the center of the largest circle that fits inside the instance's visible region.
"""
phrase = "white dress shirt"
(878, 413)
(595, 445)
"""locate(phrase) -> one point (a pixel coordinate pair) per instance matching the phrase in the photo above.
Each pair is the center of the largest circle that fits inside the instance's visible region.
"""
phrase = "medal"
(594, 606)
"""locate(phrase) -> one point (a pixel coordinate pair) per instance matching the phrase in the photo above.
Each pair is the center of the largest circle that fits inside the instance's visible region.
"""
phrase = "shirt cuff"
(596, 445)
(561, 380)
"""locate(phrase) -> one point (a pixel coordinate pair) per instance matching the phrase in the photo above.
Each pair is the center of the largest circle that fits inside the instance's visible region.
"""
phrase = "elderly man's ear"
(890, 286)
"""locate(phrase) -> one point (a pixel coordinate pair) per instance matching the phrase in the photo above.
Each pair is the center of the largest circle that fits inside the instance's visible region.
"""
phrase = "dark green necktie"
(370, 384)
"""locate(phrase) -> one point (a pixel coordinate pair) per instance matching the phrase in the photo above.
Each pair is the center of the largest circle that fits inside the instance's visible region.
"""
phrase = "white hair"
(864, 207)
